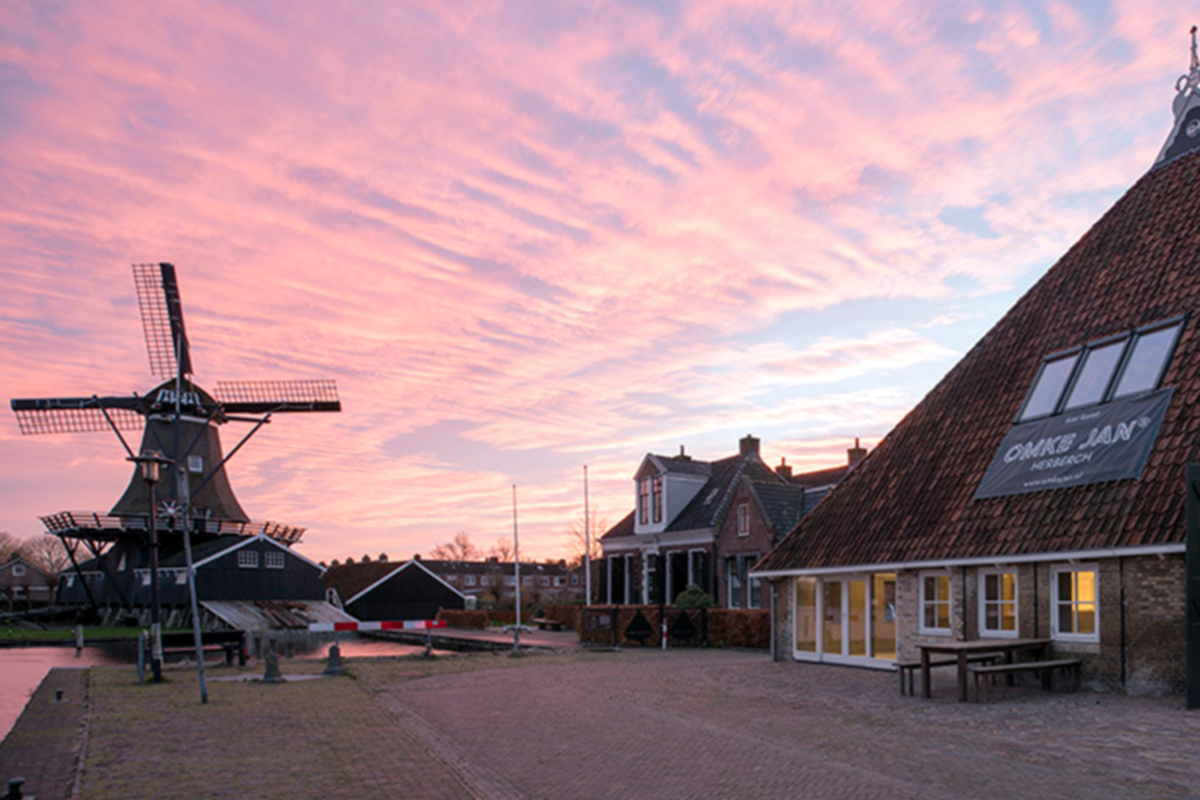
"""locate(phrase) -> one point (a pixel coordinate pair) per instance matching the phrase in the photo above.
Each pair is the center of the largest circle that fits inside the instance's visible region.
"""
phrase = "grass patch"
(11, 634)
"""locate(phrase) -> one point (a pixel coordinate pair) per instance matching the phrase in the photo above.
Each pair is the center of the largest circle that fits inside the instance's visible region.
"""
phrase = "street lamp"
(149, 462)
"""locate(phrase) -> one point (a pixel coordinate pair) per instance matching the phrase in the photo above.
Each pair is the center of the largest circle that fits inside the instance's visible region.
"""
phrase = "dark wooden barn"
(379, 590)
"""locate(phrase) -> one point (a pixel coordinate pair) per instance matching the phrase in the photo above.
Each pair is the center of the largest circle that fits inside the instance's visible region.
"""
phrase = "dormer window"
(656, 488)
(1108, 369)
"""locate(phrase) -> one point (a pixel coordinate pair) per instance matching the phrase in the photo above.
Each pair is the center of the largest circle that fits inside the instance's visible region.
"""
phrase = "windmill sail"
(162, 319)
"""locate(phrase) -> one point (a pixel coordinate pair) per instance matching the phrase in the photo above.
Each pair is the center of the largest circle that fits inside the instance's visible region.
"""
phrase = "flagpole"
(587, 541)
(517, 572)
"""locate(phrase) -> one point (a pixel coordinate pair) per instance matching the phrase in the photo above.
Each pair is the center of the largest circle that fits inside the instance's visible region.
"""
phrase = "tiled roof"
(821, 477)
(350, 579)
(622, 528)
(783, 503)
(912, 500)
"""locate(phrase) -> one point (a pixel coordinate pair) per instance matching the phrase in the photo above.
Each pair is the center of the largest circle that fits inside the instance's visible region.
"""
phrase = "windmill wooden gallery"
(178, 515)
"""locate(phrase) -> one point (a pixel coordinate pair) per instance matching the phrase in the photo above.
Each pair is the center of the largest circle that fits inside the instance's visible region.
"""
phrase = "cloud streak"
(526, 238)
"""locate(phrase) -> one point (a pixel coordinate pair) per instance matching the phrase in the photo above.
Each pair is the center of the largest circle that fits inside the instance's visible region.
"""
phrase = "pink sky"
(525, 237)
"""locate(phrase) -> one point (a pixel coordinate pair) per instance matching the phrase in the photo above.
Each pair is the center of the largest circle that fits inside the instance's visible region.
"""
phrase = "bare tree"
(461, 548)
(9, 545)
(576, 539)
(46, 552)
(502, 550)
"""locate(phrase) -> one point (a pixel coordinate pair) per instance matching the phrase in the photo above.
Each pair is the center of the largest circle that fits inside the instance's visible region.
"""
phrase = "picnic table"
(1007, 648)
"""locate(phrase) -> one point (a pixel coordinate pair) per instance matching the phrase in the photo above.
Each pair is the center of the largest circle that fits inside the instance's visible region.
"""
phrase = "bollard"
(335, 665)
(14, 789)
(272, 674)
(78, 641)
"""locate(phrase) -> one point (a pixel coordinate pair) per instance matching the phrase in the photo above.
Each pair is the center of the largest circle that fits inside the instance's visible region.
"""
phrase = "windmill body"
(236, 558)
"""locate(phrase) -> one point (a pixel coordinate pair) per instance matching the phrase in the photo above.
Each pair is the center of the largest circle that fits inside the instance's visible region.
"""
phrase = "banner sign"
(1091, 445)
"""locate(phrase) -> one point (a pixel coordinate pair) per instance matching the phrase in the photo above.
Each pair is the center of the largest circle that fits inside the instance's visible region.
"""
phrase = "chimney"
(684, 455)
(856, 454)
(783, 470)
(747, 445)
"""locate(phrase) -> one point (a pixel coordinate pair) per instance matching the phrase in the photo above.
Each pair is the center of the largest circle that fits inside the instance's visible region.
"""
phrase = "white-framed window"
(146, 578)
(1075, 603)
(247, 558)
(181, 577)
(935, 603)
(998, 602)
(510, 581)
(657, 499)
(545, 581)
(273, 559)
(484, 580)
(527, 580)
(468, 580)
(743, 519)
(18, 570)
(560, 581)
(744, 591)
(195, 464)
(644, 501)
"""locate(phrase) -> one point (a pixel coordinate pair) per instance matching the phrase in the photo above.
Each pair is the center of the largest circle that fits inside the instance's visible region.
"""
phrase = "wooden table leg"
(925, 687)
(962, 676)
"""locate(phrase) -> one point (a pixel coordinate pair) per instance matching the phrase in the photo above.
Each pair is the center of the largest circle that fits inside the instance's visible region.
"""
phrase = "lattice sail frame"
(162, 319)
(264, 396)
(76, 420)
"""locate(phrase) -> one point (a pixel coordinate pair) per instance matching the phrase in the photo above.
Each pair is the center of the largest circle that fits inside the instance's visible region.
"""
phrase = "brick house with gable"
(705, 523)
(24, 584)
(1039, 489)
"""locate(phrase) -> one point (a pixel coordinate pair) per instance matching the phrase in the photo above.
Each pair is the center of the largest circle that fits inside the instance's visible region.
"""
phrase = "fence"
(620, 626)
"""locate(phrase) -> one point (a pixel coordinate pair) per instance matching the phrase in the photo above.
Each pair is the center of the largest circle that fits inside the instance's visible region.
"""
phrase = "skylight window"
(1099, 364)
(1101, 371)
(1148, 361)
(1049, 386)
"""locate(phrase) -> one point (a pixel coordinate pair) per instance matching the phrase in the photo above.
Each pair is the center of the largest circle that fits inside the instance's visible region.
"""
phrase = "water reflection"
(24, 667)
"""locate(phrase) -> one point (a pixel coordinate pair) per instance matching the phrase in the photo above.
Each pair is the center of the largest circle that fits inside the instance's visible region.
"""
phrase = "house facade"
(705, 523)
(23, 584)
(1038, 490)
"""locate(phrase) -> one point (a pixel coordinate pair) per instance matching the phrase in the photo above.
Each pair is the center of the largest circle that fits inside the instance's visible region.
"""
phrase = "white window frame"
(998, 633)
(274, 559)
(247, 558)
(949, 601)
(18, 571)
(1055, 633)
(468, 580)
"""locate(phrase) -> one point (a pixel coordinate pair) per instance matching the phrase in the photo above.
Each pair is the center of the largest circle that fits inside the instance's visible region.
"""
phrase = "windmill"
(179, 422)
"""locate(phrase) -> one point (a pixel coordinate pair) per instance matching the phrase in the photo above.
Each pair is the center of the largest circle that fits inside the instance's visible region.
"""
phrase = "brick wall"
(1142, 620)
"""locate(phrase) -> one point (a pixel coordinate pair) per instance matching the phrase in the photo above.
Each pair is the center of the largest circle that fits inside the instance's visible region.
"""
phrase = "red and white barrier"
(402, 625)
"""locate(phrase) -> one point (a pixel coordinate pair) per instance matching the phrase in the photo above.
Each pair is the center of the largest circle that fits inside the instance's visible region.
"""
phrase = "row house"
(706, 523)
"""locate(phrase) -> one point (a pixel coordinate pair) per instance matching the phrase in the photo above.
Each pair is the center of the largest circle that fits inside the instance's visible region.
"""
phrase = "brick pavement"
(729, 723)
(43, 745)
(680, 724)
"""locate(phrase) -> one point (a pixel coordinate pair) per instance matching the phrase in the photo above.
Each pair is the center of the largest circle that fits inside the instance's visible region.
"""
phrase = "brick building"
(705, 523)
(23, 584)
(1038, 490)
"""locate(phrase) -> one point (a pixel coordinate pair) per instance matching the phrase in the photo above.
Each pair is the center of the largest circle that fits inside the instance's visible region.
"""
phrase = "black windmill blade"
(77, 414)
(271, 397)
(162, 319)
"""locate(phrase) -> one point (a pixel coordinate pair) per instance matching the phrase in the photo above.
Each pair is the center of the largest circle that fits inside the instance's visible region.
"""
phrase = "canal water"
(22, 668)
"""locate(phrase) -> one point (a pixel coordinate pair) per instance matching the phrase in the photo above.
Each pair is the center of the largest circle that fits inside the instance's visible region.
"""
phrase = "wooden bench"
(907, 669)
(547, 624)
(1067, 666)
